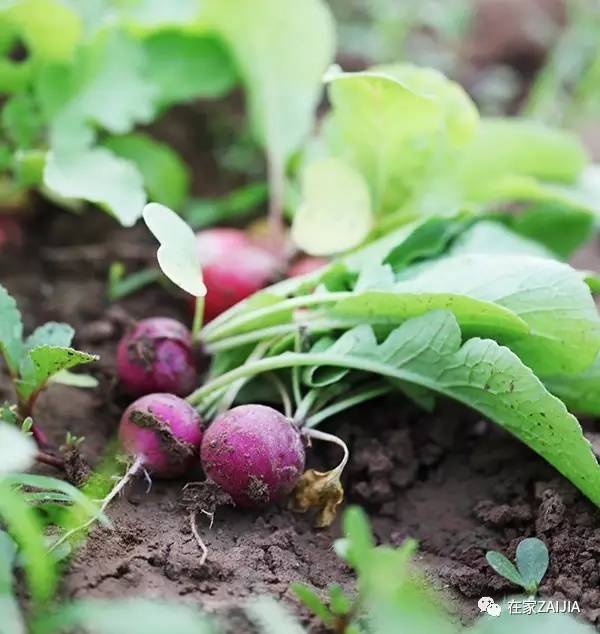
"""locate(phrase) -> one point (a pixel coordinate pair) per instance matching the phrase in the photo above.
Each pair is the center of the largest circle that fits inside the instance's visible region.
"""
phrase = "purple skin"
(165, 431)
(157, 356)
(254, 453)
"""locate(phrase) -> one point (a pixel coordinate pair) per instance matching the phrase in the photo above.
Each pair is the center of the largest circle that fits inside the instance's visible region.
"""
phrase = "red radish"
(306, 265)
(157, 356)
(163, 432)
(254, 453)
(233, 268)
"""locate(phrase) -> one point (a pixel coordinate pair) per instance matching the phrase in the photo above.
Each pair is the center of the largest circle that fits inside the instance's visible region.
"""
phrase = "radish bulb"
(157, 356)
(162, 431)
(254, 453)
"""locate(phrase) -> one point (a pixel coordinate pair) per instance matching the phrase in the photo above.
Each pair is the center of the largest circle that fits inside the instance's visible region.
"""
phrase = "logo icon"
(487, 604)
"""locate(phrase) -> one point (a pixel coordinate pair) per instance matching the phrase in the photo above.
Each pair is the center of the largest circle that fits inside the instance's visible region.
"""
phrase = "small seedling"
(33, 361)
(531, 564)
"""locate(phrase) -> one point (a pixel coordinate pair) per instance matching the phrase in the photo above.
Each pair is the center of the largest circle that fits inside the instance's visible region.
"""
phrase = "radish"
(163, 432)
(157, 356)
(233, 268)
(254, 453)
(306, 265)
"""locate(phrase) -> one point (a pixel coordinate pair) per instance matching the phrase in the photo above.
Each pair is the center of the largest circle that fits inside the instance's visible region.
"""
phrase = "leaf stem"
(198, 318)
(49, 459)
(340, 406)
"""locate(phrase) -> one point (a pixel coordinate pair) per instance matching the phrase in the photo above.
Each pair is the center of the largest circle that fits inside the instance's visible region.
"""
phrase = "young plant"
(531, 560)
(34, 361)
(483, 328)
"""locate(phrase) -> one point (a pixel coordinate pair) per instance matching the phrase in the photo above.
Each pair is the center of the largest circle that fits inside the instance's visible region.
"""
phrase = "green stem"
(290, 359)
(198, 317)
(245, 319)
(304, 407)
(340, 406)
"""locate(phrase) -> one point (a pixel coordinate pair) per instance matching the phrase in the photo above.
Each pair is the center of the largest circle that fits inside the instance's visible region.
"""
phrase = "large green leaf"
(166, 176)
(549, 296)
(186, 66)
(282, 48)
(580, 392)
(99, 176)
(393, 123)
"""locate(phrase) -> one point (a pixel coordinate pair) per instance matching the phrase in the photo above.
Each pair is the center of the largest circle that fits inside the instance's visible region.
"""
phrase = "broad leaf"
(11, 331)
(50, 334)
(391, 123)
(335, 214)
(101, 177)
(166, 176)
(283, 88)
(42, 363)
(178, 255)
(187, 66)
(549, 296)
(532, 561)
(49, 28)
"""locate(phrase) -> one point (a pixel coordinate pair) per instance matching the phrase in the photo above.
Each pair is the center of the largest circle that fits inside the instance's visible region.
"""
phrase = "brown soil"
(453, 481)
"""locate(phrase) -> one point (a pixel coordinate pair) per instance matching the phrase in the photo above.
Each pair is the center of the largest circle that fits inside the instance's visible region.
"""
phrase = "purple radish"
(163, 432)
(157, 356)
(254, 453)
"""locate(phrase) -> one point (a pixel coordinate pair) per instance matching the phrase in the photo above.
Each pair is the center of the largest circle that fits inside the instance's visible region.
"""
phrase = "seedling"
(532, 561)
(34, 361)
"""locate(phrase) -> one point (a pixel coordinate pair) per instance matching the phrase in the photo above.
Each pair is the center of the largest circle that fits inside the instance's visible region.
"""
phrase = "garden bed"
(456, 483)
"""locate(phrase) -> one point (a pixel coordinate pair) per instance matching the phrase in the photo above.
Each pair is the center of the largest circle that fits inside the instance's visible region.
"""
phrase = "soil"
(456, 483)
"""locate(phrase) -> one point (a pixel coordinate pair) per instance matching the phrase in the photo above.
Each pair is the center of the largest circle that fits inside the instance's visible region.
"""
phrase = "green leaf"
(392, 122)
(47, 484)
(271, 617)
(339, 602)
(517, 147)
(504, 567)
(312, 601)
(188, 66)
(166, 176)
(283, 89)
(109, 617)
(360, 538)
(50, 29)
(101, 177)
(532, 562)
(64, 377)
(11, 331)
(476, 317)
(21, 120)
(109, 89)
(580, 392)
(178, 255)
(559, 228)
(493, 238)
(156, 14)
(17, 451)
(335, 214)
(42, 363)
(549, 296)
(25, 528)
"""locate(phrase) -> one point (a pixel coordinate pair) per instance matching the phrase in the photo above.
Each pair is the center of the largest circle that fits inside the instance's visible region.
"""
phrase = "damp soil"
(455, 482)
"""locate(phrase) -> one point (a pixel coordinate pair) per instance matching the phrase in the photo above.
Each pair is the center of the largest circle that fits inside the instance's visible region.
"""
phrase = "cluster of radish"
(253, 452)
